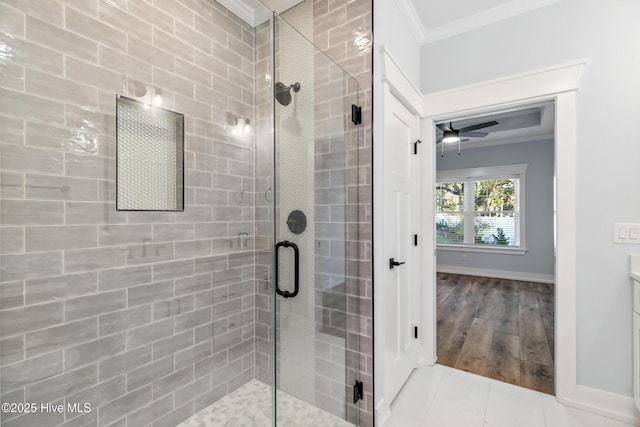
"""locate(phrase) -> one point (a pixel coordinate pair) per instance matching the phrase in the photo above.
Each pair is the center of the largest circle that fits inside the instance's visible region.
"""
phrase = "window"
(481, 209)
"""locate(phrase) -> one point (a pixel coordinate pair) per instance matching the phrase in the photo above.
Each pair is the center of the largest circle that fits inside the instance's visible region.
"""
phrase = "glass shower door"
(316, 214)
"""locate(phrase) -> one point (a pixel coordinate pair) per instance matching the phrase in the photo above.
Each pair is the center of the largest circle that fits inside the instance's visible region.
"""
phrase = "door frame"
(558, 84)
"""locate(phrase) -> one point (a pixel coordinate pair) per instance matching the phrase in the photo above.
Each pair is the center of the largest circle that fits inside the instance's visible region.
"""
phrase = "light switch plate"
(626, 233)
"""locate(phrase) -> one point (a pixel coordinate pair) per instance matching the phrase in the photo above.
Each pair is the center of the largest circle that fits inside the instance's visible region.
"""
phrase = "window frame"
(468, 176)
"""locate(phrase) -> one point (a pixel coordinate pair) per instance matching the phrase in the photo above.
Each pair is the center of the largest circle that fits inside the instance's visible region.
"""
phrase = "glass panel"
(496, 228)
(450, 228)
(450, 197)
(495, 217)
(449, 212)
(495, 195)
(316, 156)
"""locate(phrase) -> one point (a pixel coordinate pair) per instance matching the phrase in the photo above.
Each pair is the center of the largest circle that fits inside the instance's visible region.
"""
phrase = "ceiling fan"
(449, 134)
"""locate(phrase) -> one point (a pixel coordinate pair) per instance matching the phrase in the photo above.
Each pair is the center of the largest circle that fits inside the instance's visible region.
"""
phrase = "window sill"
(483, 249)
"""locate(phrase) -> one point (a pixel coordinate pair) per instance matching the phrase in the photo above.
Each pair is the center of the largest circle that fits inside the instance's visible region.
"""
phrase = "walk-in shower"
(192, 253)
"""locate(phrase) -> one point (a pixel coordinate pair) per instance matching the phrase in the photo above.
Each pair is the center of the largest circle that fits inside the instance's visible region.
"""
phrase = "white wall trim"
(467, 100)
(410, 16)
(485, 172)
(485, 249)
(249, 11)
(498, 274)
(566, 210)
(428, 230)
(601, 402)
(484, 18)
(399, 83)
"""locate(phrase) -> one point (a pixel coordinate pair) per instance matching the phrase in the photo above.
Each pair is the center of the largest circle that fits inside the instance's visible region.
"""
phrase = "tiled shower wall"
(339, 26)
(342, 30)
(264, 197)
(336, 171)
(147, 316)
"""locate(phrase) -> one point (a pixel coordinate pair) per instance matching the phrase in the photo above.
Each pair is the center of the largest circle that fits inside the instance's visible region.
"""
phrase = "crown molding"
(484, 18)
(247, 10)
(410, 16)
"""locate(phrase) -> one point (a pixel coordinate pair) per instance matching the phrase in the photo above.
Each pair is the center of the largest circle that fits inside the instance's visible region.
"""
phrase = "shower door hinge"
(415, 146)
(356, 114)
(358, 391)
(415, 332)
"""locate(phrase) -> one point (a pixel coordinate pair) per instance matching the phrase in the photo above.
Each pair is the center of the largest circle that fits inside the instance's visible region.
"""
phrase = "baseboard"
(603, 403)
(497, 274)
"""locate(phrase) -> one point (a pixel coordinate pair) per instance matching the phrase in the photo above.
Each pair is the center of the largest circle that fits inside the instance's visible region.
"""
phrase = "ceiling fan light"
(450, 136)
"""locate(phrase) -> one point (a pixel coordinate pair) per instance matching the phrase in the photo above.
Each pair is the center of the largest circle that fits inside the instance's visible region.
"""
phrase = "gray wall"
(334, 20)
(607, 156)
(539, 258)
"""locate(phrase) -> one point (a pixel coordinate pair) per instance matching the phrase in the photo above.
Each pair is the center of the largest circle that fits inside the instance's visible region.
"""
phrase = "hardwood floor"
(501, 329)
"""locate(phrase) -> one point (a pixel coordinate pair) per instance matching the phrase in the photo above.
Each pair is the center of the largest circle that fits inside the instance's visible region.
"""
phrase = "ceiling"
(255, 12)
(433, 20)
(528, 123)
(436, 13)
(429, 20)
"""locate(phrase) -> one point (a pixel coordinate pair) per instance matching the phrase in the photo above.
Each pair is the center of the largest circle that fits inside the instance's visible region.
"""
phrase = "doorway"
(557, 83)
(494, 225)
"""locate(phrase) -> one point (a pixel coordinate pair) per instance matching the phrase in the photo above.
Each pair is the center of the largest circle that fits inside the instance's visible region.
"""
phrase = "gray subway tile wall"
(336, 24)
(148, 316)
(153, 316)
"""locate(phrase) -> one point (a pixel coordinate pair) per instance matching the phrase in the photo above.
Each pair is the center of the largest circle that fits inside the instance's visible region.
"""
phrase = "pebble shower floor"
(251, 405)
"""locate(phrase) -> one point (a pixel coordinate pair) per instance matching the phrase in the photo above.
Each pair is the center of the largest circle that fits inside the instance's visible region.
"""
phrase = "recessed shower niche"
(149, 158)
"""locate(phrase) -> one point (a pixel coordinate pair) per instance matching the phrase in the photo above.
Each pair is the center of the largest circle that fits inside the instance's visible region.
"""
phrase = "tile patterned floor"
(438, 396)
(250, 406)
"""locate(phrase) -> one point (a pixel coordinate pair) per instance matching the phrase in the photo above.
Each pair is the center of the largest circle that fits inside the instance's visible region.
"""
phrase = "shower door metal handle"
(296, 269)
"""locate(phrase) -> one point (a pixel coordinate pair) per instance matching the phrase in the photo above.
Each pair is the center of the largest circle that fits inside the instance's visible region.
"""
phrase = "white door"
(400, 289)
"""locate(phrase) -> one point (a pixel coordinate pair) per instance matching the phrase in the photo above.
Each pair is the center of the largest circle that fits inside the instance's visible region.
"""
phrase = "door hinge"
(415, 240)
(415, 146)
(415, 332)
(358, 391)
(356, 114)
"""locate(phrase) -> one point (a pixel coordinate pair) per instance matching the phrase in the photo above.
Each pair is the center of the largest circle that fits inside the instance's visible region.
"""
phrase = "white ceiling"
(533, 122)
(255, 12)
(435, 13)
(433, 20)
